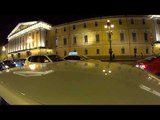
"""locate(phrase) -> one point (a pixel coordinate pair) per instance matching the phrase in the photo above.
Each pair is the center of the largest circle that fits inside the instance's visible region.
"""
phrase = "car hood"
(79, 83)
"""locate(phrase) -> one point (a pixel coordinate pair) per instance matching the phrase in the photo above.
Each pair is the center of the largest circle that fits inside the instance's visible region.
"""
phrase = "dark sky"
(57, 13)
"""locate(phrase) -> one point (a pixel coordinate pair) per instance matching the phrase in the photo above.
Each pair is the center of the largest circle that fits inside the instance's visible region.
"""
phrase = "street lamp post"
(109, 28)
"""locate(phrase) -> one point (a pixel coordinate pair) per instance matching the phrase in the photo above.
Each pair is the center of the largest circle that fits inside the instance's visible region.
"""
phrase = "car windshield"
(55, 58)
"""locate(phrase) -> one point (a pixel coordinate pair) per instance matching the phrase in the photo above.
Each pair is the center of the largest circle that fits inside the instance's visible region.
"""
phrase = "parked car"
(2, 66)
(18, 62)
(79, 83)
(9, 63)
(42, 59)
(150, 64)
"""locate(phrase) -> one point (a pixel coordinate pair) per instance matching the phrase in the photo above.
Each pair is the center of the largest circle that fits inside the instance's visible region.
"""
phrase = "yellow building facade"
(132, 37)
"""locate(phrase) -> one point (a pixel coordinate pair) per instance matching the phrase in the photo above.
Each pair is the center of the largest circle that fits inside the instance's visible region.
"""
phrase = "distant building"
(132, 35)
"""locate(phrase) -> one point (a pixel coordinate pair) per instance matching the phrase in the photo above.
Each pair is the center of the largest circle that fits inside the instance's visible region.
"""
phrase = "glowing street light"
(109, 28)
(4, 50)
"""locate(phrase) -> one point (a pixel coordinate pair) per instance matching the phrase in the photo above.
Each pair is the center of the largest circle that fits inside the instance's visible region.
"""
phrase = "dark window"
(146, 36)
(74, 40)
(143, 21)
(55, 30)
(74, 27)
(39, 59)
(122, 36)
(97, 38)
(86, 51)
(86, 39)
(74, 50)
(96, 24)
(132, 21)
(98, 51)
(65, 53)
(134, 36)
(64, 29)
(84, 25)
(122, 51)
(65, 41)
(147, 51)
(135, 50)
(120, 22)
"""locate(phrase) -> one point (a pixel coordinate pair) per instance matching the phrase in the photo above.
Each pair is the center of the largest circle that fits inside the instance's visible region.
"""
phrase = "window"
(74, 27)
(158, 21)
(146, 36)
(86, 39)
(65, 41)
(135, 50)
(122, 51)
(122, 36)
(55, 30)
(120, 22)
(134, 36)
(147, 51)
(84, 25)
(74, 40)
(97, 38)
(64, 29)
(98, 51)
(143, 21)
(96, 24)
(132, 21)
(65, 53)
(86, 51)
(56, 42)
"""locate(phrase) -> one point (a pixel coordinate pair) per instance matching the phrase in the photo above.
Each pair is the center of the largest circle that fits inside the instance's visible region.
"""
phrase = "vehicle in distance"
(42, 59)
(75, 57)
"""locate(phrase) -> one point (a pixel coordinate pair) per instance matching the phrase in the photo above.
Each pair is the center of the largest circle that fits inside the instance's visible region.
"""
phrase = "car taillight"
(142, 66)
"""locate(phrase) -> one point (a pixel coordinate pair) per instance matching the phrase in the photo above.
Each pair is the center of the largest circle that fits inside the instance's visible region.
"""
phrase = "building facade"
(30, 38)
(132, 37)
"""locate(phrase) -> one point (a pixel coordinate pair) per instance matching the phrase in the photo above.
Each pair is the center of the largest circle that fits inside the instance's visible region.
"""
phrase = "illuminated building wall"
(131, 35)
(34, 37)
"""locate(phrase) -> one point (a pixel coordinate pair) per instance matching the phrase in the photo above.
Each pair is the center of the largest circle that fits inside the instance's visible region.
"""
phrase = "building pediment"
(22, 26)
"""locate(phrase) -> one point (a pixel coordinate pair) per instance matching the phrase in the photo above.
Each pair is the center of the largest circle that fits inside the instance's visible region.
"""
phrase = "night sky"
(56, 14)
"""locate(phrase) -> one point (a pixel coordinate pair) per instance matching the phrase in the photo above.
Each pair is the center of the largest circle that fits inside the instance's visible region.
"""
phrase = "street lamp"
(4, 50)
(29, 41)
(109, 28)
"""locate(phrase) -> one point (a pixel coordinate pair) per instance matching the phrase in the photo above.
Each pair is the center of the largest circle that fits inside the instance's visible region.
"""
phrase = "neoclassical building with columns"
(132, 37)
(28, 38)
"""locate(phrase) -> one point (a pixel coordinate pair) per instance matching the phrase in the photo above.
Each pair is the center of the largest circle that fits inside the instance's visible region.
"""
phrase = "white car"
(42, 59)
(79, 83)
